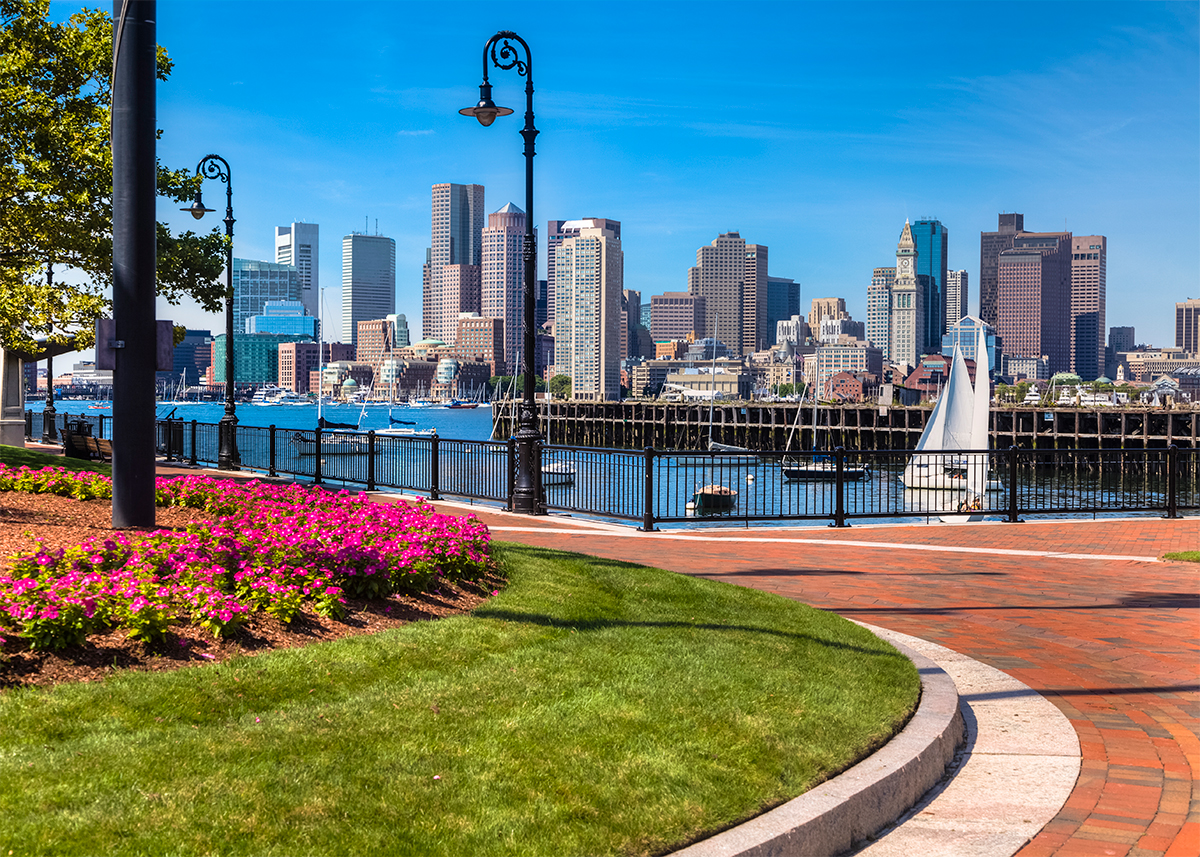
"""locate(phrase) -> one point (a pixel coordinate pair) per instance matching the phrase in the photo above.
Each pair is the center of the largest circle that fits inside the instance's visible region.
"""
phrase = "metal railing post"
(433, 468)
(839, 490)
(195, 459)
(648, 492)
(510, 469)
(271, 468)
(371, 460)
(1013, 510)
(29, 425)
(165, 427)
(1172, 481)
(317, 450)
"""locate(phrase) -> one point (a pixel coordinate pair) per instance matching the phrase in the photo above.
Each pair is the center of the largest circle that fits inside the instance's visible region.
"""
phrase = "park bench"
(99, 448)
(74, 445)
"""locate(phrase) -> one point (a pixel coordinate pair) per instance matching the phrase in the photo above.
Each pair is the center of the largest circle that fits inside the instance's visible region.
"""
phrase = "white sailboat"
(959, 422)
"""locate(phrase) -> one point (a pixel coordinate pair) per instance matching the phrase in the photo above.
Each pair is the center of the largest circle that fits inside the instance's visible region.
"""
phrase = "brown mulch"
(62, 522)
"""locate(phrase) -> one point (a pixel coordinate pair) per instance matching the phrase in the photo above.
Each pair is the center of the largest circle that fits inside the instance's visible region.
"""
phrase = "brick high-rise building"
(991, 245)
(677, 315)
(502, 290)
(482, 338)
(1033, 298)
(1187, 325)
(754, 301)
(1089, 265)
(719, 277)
(448, 286)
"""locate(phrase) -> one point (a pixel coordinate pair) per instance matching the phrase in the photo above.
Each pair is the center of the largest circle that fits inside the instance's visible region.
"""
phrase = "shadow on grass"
(543, 620)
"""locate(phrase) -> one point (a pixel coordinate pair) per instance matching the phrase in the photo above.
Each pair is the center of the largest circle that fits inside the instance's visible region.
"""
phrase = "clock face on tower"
(904, 263)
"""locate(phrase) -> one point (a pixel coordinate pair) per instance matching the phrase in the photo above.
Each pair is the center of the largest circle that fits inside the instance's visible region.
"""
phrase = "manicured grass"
(592, 707)
(1183, 556)
(15, 456)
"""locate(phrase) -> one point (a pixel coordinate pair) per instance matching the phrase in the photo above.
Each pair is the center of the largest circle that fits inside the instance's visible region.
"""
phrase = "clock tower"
(908, 305)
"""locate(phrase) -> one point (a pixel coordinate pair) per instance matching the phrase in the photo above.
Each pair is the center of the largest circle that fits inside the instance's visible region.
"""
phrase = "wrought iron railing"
(654, 487)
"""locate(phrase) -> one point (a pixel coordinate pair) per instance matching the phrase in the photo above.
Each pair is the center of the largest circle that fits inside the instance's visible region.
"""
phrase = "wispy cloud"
(423, 132)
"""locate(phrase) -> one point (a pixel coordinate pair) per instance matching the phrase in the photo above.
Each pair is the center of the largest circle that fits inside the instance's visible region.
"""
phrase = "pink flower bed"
(274, 549)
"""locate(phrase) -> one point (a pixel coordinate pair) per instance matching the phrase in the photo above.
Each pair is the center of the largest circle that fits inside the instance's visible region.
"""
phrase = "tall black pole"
(216, 167)
(527, 486)
(133, 141)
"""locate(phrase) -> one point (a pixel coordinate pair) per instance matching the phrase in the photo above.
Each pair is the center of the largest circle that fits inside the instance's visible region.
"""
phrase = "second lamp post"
(527, 491)
(216, 167)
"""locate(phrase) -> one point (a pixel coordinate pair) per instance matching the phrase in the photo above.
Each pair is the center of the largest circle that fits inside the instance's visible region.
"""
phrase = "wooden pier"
(778, 426)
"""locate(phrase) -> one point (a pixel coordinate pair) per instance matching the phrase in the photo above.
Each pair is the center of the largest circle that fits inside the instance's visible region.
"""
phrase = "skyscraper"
(255, 283)
(719, 277)
(456, 240)
(1033, 298)
(879, 310)
(754, 301)
(783, 302)
(957, 293)
(368, 280)
(823, 308)
(908, 304)
(1187, 325)
(502, 292)
(1089, 266)
(589, 276)
(297, 245)
(932, 241)
(558, 231)
(991, 244)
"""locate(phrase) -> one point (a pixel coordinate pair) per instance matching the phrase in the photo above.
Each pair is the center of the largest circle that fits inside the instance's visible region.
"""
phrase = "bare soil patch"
(62, 522)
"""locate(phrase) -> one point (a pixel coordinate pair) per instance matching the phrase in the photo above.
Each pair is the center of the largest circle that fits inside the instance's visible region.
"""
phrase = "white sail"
(958, 422)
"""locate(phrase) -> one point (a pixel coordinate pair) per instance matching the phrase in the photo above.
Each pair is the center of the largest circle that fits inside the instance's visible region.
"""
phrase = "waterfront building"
(676, 315)
(1029, 368)
(964, 333)
(1089, 266)
(1187, 325)
(1033, 291)
(255, 283)
(480, 338)
(835, 330)
(288, 317)
(719, 277)
(843, 357)
(957, 293)
(589, 274)
(932, 242)
(908, 305)
(558, 231)
(991, 245)
(297, 245)
(754, 299)
(255, 357)
(783, 302)
(368, 280)
(502, 289)
(879, 310)
(451, 278)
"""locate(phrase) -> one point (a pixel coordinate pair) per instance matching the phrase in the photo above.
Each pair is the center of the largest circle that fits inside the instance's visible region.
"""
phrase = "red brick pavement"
(1114, 642)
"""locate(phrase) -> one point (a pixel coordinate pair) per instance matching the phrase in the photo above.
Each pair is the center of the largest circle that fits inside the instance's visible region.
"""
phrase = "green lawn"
(16, 456)
(1183, 556)
(593, 707)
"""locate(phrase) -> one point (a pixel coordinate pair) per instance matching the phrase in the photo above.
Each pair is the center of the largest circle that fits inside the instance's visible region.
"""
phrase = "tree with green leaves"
(560, 386)
(56, 183)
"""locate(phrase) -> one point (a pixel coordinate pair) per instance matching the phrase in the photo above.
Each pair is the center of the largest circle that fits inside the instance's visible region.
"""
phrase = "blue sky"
(813, 128)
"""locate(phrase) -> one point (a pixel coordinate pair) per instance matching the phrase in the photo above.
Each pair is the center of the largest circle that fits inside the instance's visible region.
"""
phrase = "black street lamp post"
(216, 167)
(49, 414)
(527, 488)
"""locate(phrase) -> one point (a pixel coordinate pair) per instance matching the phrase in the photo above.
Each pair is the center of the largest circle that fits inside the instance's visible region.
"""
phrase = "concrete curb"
(868, 797)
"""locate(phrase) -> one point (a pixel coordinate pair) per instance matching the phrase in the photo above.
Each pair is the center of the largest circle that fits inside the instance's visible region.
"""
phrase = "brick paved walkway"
(1078, 610)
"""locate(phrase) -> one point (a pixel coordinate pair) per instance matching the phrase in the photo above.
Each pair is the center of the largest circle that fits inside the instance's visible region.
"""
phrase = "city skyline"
(1087, 123)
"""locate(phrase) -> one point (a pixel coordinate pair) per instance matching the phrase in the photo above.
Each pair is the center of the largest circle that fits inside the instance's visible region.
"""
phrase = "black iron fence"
(653, 486)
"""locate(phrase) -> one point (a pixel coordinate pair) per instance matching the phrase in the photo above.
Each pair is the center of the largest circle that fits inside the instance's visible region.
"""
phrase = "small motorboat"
(712, 500)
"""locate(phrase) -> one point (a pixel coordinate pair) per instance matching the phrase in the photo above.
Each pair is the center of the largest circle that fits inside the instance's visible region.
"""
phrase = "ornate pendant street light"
(216, 167)
(527, 490)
